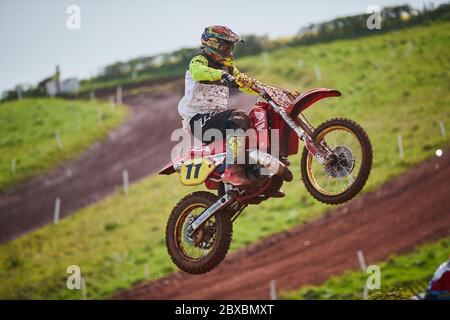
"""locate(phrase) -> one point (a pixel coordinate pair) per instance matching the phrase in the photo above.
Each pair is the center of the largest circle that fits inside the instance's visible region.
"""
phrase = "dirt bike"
(335, 165)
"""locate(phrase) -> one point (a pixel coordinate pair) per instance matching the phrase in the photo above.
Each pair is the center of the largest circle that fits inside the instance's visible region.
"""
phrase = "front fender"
(308, 98)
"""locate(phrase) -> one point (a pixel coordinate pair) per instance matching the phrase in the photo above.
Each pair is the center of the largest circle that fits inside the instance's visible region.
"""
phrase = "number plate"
(195, 171)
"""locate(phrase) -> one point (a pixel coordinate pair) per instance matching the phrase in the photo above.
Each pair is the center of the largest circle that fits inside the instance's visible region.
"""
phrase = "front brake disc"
(343, 163)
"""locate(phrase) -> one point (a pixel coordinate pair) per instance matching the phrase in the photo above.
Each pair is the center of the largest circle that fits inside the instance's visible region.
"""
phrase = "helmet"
(218, 43)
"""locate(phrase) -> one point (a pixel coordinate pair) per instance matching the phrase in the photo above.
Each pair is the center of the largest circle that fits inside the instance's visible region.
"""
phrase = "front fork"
(221, 203)
(321, 151)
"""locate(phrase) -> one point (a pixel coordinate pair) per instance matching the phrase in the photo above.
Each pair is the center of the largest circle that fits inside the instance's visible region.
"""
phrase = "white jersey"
(201, 98)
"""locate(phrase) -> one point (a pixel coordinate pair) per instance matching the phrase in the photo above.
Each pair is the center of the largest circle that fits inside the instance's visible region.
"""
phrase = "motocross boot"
(235, 172)
(236, 176)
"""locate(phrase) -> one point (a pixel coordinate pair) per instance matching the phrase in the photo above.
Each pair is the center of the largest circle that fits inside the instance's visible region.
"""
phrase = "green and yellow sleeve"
(198, 67)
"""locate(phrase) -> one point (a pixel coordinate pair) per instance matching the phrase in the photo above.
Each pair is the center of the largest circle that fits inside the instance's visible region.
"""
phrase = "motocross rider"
(205, 103)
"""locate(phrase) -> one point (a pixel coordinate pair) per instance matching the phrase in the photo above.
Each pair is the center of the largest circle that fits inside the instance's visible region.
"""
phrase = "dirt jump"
(411, 209)
(141, 146)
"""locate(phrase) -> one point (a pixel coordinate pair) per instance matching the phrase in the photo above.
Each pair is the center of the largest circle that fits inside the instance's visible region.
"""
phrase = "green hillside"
(37, 134)
(396, 83)
(407, 274)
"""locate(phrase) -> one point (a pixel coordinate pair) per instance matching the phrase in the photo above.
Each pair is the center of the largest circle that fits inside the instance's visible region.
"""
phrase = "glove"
(245, 81)
(229, 80)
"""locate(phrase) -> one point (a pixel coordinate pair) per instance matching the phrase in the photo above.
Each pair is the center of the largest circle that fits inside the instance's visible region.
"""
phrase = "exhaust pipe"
(270, 163)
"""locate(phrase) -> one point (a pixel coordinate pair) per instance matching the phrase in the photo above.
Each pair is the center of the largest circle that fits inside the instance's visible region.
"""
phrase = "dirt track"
(141, 146)
(413, 208)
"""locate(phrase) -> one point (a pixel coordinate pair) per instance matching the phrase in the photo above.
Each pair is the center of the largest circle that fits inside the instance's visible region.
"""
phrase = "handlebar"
(280, 96)
(244, 81)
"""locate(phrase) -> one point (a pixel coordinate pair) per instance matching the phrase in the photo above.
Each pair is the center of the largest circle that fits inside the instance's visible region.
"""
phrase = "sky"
(34, 35)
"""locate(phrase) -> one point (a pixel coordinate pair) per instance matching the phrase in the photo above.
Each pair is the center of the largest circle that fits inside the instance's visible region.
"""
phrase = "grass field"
(392, 84)
(38, 134)
(398, 273)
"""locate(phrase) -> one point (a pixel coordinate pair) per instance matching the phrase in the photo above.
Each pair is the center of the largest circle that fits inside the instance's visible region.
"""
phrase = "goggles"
(225, 47)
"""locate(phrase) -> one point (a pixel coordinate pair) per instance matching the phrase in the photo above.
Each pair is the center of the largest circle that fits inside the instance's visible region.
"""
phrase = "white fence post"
(362, 261)
(57, 210)
(58, 140)
(13, 165)
(83, 288)
(273, 290)
(365, 292)
(441, 126)
(363, 266)
(119, 95)
(400, 146)
(125, 181)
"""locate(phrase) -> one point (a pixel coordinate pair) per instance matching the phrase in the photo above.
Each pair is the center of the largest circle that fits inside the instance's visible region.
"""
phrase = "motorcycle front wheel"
(347, 174)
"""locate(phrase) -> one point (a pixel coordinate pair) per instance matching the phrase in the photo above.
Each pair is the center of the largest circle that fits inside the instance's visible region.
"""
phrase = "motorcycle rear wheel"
(208, 246)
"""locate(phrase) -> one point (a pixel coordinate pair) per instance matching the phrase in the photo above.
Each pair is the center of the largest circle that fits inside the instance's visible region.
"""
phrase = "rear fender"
(170, 167)
(167, 169)
(177, 162)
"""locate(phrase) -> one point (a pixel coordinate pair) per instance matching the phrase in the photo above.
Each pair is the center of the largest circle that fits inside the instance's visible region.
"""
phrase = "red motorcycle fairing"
(308, 98)
(288, 139)
(259, 122)
(258, 116)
